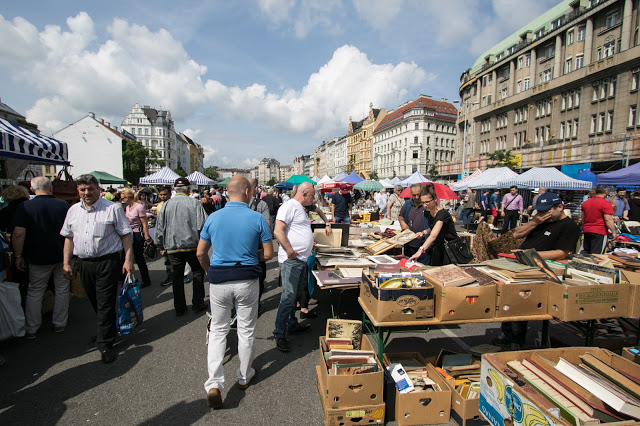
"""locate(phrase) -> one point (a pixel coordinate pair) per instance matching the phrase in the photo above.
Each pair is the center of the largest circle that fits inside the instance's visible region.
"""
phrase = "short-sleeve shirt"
(341, 201)
(134, 213)
(414, 217)
(495, 201)
(561, 235)
(235, 234)
(448, 231)
(484, 202)
(42, 217)
(297, 230)
(593, 211)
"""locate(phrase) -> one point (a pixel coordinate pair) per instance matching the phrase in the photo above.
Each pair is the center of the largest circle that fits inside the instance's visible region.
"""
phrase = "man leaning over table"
(412, 217)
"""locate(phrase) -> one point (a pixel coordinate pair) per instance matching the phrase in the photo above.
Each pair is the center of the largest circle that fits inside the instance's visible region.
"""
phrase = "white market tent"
(550, 177)
(164, 176)
(324, 179)
(386, 183)
(315, 179)
(417, 177)
(488, 179)
(473, 175)
(197, 178)
(395, 180)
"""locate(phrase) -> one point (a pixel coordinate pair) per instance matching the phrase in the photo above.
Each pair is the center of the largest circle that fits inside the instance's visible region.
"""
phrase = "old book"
(403, 237)
(449, 276)
(455, 360)
(348, 359)
(625, 259)
(508, 265)
(615, 397)
(600, 279)
(481, 277)
(348, 352)
(611, 374)
(346, 329)
(612, 273)
(328, 278)
(351, 369)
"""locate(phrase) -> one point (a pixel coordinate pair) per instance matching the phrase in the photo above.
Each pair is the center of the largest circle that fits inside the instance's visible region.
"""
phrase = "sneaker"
(188, 279)
(214, 398)
(30, 336)
(282, 344)
(300, 329)
(108, 355)
(166, 282)
(234, 321)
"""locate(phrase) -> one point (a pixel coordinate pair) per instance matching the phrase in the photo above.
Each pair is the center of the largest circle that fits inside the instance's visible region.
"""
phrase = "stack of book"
(462, 371)
(449, 276)
(342, 352)
(587, 273)
(626, 259)
(415, 373)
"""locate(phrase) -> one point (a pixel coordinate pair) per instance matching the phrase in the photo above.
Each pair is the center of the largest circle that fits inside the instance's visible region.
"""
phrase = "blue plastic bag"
(129, 306)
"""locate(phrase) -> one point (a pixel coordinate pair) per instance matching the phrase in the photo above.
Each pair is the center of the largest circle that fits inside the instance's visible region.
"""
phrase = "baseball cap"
(547, 200)
(344, 187)
(182, 181)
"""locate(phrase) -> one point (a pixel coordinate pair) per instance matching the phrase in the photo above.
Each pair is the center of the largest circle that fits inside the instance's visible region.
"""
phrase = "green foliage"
(373, 175)
(432, 173)
(271, 182)
(211, 172)
(394, 174)
(180, 171)
(137, 160)
(503, 158)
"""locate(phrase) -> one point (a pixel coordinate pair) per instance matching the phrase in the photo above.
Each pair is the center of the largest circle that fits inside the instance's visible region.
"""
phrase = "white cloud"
(302, 16)
(378, 13)
(250, 162)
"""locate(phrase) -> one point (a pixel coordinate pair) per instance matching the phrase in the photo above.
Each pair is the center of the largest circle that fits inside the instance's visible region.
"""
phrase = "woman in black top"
(441, 227)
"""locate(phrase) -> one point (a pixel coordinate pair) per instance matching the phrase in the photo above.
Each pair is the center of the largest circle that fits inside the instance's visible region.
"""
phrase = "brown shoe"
(214, 398)
(246, 385)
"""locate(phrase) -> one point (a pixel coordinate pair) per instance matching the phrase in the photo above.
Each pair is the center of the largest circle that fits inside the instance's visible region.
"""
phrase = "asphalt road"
(159, 375)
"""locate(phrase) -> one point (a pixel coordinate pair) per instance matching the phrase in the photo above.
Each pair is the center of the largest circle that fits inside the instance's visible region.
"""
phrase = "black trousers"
(100, 281)
(594, 243)
(510, 219)
(138, 254)
(263, 277)
(178, 262)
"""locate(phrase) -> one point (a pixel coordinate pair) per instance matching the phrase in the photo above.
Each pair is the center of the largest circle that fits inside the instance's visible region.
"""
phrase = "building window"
(575, 128)
(635, 74)
(609, 48)
(601, 122)
(548, 107)
(146, 131)
(547, 133)
(415, 139)
(562, 130)
(563, 104)
(415, 154)
(577, 99)
(526, 84)
(520, 62)
(527, 60)
(612, 88)
(490, 79)
(599, 56)
(417, 126)
(612, 19)
(609, 121)
(504, 92)
(140, 131)
(581, 33)
(567, 66)
(579, 61)
(603, 90)
(519, 86)
(632, 116)
(592, 129)
(595, 94)
(488, 99)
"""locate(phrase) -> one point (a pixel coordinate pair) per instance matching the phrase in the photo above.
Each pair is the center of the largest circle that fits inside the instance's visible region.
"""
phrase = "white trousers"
(38, 280)
(243, 295)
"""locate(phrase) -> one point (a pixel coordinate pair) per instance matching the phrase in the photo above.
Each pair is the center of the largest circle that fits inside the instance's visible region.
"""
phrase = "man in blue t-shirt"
(241, 239)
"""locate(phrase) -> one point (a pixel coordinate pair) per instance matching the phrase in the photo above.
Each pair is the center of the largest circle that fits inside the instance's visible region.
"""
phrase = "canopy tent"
(324, 179)
(284, 185)
(197, 178)
(329, 186)
(629, 176)
(164, 176)
(369, 185)
(105, 178)
(550, 177)
(385, 183)
(473, 175)
(587, 175)
(298, 179)
(340, 176)
(395, 180)
(442, 191)
(21, 147)
(224, 182)
(352, 178)
(315, 179)
(488, 179)
(414, 178)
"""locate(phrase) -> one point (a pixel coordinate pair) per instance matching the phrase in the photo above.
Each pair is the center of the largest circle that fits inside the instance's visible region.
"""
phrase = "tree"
(211, 172)
(432, 173)
(503, 158)
(137, 160)
(180, 171)
(373, 175)
(271, 182)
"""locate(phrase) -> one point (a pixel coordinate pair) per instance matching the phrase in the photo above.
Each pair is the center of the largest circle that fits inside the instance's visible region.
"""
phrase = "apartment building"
(561, 90)
(360, 141)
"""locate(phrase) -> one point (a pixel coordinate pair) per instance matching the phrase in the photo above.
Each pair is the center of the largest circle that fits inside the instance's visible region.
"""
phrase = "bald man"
(241, 238)
(293, 231)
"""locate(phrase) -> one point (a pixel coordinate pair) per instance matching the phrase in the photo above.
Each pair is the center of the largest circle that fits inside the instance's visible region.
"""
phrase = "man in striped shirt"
(96, 231)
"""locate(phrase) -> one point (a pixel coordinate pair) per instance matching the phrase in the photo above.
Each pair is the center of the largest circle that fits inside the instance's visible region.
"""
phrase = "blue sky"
(247, 79)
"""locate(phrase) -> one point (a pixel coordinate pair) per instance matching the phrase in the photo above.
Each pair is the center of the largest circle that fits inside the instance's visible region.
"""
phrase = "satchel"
(458, 251)
(64, 187)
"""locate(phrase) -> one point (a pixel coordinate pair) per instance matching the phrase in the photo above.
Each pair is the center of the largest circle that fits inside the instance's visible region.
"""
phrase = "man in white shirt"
(293, 231)
(381, 199)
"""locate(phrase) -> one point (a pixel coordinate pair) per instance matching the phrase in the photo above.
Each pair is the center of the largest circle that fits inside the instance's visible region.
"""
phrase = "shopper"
(136, 212)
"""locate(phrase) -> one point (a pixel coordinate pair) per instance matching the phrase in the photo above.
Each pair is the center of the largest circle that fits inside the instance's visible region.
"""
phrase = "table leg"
(381, 343)
(546, 343)
(590, 334)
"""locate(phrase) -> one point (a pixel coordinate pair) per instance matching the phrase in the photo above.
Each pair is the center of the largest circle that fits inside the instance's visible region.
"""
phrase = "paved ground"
(159, 375)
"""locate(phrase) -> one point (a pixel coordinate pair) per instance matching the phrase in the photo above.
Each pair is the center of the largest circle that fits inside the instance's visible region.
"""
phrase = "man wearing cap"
(178, 233)
(554, 235)
(341, 204)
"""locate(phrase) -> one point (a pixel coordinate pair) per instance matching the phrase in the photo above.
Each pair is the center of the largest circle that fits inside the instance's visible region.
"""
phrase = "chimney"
(107, 124)
(115, 128)
(102, 120)
(92, 115)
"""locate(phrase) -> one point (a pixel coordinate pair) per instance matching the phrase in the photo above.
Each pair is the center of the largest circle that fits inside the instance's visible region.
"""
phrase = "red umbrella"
(442, 191)
(330, 186)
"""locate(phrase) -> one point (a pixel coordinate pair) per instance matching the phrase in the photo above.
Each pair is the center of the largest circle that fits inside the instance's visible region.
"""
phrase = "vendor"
(412, 217)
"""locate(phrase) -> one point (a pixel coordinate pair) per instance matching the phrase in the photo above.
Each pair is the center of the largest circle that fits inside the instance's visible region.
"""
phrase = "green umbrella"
(298, 179)
(369, 185)
(224, 182)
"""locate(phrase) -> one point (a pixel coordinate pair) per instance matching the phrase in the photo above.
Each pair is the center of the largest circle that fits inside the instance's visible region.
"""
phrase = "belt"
(101, 258)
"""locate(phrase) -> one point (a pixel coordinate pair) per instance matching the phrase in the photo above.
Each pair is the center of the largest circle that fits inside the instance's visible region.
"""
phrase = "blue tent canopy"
(588, 176)
(629, 176)
(352, 178)
(284, 185)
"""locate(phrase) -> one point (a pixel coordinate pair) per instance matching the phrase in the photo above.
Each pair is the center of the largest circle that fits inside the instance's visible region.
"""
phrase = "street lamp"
(626, 155)
(464, 135)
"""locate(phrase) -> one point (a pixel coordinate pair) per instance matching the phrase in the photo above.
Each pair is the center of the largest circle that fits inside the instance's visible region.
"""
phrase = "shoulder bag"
(64, 187)
(458, 251)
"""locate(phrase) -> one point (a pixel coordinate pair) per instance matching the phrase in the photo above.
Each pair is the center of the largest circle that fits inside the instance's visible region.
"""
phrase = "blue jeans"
(342, 219)
(466, 216)
(294, 276)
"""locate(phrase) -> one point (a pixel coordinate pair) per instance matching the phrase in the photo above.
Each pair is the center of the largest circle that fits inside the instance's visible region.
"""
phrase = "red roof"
(441, 110)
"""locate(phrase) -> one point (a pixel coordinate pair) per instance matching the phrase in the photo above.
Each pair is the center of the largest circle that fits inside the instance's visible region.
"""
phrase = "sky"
(245, 79)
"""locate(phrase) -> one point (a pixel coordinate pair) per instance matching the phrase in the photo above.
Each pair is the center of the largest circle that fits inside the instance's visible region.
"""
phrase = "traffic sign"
(465, 173)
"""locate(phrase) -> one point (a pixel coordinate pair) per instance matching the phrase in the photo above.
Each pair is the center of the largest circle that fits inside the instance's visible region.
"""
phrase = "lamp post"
(626, 156)
(464, 135)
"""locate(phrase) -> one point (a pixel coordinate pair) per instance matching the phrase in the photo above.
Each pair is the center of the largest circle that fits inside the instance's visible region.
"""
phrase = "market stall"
(164, 176)
(417, 177)
(550, 177)
(627, 177)
(105, 178)
(197, 178)
(488, 179)
(353, 178)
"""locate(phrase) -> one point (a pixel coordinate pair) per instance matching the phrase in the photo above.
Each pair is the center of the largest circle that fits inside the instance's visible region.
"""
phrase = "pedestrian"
(96, 231)
(512, 206)
(468, 205)
(136, 212)
(341, 204)
(164, 194)
(597, 220)
(485, 209)
(207, 204)
(412, 217)
(620, 204)
(260, 206)
(177, 233)
(395, 203)
(37, 241)
(240, 238)
(293, 231)
(382, 199)
(634, 206)
(494, 203)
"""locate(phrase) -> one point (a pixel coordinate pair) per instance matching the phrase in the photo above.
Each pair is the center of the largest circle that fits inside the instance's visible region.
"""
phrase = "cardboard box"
(464, 303)
(631, 356)
(351, 391)
(575, 303)
(521, 299)
(420, 408)
(506, 399)
(365, 414)
(402, 304)
(633, 278)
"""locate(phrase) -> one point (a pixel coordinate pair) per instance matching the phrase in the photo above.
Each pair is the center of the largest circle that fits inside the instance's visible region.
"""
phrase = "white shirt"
(96, 230)
(298, 230)
(381, 200)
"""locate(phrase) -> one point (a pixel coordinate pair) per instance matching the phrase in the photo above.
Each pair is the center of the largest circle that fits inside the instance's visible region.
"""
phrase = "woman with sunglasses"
(441, 228)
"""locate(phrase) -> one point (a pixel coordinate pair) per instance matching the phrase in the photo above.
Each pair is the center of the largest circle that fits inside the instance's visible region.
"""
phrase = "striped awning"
(197, 178)
(18, 142)
(550, 177)
(164, 176)
(488, 179)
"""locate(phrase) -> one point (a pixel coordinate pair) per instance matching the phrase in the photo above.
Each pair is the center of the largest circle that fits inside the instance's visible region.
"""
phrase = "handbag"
(458, 251)
(129, 306)
(27, 181)
(64, 187)
(150, 250)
